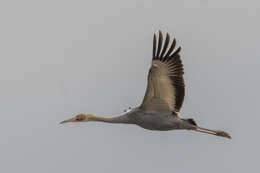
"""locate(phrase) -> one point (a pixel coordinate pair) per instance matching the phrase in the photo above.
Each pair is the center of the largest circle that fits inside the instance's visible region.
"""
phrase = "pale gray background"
(59, 58)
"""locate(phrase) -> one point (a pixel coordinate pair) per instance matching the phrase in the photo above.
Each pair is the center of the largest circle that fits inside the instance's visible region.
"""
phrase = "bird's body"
(154, 120)
(163, 98)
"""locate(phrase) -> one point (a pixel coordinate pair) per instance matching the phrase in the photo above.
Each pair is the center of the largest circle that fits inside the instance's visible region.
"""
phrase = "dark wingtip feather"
(160, 33)
(166, 42)
(159, 44)
(171, 48)
(154, 45)
(176, 52)
(159, 52)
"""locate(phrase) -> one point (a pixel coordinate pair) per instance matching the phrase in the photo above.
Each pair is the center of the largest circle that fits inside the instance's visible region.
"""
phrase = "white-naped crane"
(163, 97)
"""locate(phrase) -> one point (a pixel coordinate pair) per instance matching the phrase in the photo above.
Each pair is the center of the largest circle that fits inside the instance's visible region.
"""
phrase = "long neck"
(117, 119)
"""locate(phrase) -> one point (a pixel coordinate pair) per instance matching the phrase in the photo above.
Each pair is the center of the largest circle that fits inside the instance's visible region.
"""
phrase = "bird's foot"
(223, 134)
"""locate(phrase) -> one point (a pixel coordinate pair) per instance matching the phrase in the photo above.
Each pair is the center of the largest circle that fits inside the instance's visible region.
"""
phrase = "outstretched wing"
(165, 88)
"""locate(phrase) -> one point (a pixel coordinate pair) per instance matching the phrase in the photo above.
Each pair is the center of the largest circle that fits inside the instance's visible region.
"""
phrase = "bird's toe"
(223, 134)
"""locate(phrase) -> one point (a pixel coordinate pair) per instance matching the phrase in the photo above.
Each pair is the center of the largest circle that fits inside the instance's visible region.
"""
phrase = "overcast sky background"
(59, 58)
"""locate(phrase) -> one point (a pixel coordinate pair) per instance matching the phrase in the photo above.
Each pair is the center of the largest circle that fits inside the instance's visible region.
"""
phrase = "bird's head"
(79, 118)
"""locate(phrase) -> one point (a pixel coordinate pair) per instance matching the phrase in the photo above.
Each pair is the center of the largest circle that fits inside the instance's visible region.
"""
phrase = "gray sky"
(60, 58)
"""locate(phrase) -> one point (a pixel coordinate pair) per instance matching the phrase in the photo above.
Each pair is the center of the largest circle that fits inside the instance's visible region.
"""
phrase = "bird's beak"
(68, 120)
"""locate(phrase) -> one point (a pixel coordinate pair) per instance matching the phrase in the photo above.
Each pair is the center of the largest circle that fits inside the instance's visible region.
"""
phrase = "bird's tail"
(190, 121)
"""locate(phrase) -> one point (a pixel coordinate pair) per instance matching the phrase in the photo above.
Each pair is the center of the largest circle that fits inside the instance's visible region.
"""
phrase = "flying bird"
(163, 98)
